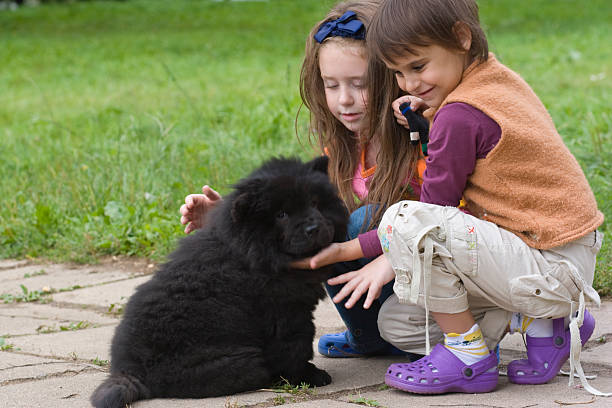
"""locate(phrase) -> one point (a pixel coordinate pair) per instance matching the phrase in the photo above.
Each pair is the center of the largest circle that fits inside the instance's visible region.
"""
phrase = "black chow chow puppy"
(226, 313)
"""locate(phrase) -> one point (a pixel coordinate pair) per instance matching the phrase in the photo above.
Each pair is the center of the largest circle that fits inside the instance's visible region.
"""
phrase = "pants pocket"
(402, 232)
(547, 295)
(464, 244)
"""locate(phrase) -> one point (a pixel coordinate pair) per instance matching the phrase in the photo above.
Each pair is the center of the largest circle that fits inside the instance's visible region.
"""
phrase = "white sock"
(533, 327)
(468, 347)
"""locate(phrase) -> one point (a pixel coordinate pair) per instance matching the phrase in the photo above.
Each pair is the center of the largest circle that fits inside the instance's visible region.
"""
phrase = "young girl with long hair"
(371, 172)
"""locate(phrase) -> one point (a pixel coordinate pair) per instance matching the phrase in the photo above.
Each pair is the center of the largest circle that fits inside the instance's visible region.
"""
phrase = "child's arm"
(371, 278)
(336, 252)
(196, 206)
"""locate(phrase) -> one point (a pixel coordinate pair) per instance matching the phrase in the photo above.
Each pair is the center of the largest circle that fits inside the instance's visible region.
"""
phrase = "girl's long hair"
(396, 160)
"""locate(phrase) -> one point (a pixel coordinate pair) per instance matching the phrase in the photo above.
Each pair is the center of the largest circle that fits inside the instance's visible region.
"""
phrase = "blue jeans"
(362, 324)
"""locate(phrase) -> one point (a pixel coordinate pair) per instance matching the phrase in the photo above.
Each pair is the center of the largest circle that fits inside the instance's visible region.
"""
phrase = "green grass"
(111, 112)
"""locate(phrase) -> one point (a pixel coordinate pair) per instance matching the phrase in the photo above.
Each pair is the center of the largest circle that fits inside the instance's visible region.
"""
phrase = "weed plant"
(26, 296)
(368, 402)
(102, 363)
(111, 112)
(4, 346)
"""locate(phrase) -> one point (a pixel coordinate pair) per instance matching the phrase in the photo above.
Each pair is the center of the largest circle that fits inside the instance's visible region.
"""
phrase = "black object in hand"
(418, 124)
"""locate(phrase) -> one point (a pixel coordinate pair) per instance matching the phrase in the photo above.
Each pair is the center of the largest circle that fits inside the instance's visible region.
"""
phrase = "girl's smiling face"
(343, 70)
(431, 73)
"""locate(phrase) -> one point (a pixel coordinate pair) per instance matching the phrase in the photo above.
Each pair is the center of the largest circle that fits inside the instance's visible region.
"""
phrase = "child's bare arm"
(336, 252)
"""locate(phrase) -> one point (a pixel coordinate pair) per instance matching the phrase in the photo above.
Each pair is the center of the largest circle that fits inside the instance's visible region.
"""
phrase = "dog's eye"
(281, 215)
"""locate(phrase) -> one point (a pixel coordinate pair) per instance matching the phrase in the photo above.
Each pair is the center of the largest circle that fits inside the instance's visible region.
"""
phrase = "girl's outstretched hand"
(196, 207)
(336, 252)
(371, 278)
(415, 104)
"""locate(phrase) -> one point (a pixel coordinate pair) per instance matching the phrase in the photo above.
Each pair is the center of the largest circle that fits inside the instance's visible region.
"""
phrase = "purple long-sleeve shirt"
(461, 135)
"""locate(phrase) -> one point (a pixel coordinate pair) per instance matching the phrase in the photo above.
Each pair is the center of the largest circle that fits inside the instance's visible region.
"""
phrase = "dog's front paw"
(312, 376)
(319, 378)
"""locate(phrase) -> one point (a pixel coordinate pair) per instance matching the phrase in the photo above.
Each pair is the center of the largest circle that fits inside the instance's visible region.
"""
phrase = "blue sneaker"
(336, 345)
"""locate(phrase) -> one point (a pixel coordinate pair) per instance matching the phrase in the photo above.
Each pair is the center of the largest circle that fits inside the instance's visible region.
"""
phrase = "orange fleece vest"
(530, 183)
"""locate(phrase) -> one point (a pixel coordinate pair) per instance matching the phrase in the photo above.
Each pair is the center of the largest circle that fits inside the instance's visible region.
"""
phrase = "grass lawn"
(111, 112)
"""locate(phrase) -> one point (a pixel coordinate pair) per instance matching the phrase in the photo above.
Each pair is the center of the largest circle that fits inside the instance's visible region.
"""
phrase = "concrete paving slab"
(103, 296)
(327, 403)
(12, 263)
(19, 326)
(240, 400)
(86, 344)
(598, 354)
(37, 277)
(66, 391)
(350, 373)
(16, 368)
(603, 322)
(43, 372)
(506, 395)
(53, 314)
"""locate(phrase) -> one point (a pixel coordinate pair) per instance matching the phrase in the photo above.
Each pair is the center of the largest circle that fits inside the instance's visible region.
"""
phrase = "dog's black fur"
(226, 313)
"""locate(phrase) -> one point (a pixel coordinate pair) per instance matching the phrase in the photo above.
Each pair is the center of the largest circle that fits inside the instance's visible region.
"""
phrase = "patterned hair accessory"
(346, 26)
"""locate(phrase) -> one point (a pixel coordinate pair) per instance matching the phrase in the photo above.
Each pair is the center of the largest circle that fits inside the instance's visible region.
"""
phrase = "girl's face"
(431, 74)
(343, 70)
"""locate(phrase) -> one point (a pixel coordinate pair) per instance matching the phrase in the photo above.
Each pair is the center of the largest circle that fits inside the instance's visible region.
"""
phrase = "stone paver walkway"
(57, 321)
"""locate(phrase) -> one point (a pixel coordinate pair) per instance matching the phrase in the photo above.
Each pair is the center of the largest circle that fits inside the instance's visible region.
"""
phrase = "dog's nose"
(311, 229)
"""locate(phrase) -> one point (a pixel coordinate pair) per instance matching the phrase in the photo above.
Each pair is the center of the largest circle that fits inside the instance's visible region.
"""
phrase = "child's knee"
(403, 325)
(387, 320)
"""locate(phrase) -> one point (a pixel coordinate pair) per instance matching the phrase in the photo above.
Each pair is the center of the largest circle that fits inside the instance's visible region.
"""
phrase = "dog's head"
(289, 206)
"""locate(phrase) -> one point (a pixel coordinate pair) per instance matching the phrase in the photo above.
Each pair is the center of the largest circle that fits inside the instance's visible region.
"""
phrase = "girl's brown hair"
(396, 160)
(401, 25)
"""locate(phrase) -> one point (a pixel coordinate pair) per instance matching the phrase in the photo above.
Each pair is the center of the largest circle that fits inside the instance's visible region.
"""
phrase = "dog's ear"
(240, 207)
(246, 201)
(319, 164)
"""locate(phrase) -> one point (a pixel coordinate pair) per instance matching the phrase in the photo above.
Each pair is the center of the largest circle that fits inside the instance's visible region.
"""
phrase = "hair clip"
(346, 26)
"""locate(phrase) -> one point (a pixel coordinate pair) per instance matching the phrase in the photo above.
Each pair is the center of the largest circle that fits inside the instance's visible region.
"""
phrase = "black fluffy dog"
(226, 313)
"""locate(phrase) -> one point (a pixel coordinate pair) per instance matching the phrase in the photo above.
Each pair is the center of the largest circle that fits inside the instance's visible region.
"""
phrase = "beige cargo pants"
(463, 262)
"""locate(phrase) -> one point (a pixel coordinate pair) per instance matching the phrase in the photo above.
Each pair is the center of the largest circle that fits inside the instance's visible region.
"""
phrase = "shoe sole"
(336, 353)
(477, 385)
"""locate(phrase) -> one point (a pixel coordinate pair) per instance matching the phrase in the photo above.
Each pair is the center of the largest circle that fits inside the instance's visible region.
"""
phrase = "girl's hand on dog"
(371, 278)
(196, 206)
(336, 252)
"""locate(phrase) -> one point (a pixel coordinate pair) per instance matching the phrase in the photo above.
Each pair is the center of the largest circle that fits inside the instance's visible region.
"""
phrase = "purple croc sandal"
(546, 355)
(441, 371)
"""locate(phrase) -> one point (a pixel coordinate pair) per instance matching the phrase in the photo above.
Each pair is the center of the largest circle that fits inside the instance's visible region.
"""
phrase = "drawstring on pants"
(422, 270)
(576, 348)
